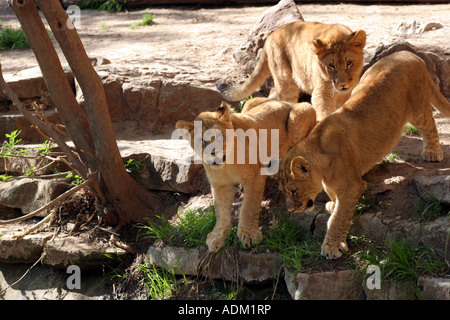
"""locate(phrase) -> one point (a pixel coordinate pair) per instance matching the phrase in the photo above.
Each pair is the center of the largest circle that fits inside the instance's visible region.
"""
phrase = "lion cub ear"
(358, 39)
(224, 111)
(318, 46)
(300, 168)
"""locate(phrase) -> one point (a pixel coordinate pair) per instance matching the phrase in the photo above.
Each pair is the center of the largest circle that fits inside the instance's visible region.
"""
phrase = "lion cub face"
(341, 57)
(208, 135)
(299, 184)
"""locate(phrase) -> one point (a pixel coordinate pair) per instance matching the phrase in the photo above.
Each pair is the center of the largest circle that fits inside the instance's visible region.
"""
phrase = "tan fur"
(294, 122)
(324, 61)
(348, 143)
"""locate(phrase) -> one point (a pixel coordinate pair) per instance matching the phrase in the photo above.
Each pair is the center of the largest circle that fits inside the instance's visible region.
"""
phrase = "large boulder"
(284, 12)
(135, 95)
(166, 165)
(30, 194)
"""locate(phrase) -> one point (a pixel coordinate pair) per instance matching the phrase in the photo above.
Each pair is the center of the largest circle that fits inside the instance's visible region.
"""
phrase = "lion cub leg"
(248, 228)
(223, 201)
(431, 148)
(329, 206)
(322, 100)
(285, 88)
(335, 241)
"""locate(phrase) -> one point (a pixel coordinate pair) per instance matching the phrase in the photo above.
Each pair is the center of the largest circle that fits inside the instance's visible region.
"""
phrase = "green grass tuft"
(108, 5)
(12, 38)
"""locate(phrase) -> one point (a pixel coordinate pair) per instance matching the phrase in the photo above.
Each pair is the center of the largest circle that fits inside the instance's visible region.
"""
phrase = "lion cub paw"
(333, 250)
(329, 206)
(216, 239)
(432, 155)
(249, 237)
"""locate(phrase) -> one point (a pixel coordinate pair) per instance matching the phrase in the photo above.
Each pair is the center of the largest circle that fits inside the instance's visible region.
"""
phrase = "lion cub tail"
(256, 80)
(438, 100)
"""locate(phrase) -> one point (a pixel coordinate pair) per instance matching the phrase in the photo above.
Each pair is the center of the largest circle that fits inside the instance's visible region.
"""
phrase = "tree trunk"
(70, 112)
(132, 202)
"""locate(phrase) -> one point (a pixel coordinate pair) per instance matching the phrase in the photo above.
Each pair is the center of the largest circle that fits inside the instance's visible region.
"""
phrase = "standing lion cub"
(324, 61)
(348, 143)
(263, 125)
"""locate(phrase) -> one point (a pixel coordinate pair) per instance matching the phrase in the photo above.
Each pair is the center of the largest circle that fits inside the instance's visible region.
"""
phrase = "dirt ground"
(195, 44)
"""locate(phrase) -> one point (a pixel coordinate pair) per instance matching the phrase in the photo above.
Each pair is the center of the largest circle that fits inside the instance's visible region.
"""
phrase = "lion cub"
(263, 125)
(324, 61)
(348, 143)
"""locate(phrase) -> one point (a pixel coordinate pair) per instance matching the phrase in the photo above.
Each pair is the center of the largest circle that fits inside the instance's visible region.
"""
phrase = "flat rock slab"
(374, 226)
(29, 84)
(30, 194)
(434, 187)
(434, 288)
(46, 283)
(63, 252)
(23, 250)
(167, 165)
(333, 285)
(59, 252)
(237, 266)
(391, 290)
(134, 95)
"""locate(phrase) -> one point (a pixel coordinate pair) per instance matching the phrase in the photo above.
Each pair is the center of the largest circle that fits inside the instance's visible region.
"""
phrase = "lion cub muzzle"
(299, 206)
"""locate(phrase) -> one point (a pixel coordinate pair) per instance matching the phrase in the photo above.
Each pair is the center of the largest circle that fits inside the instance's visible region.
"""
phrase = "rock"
(22, 250)
(436, 235)
(434, 288)
(134, 94)
(438, 186)
(411, 27)
(79, 251)
(14, 120)
(373, 227)
(30, 194)
(45, 283)
(284, 12)
(20, 166)
(231, 265)
(241, 266)
(391, 290)
(174, 259)
(320, 227)
(184, 102)
(202, 203)
(333, 285)
(308, 221)
(438, 67)
(29, 84)
(59, 252)
(168, 165)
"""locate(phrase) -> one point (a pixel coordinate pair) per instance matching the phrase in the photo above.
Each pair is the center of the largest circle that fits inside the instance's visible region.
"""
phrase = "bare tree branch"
(90, 130)
(60, 141)
(72, 115)
(48, 205)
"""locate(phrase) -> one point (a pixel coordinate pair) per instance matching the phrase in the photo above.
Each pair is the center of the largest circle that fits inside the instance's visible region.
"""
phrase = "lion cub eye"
(331, 66)
(293, 193)
(349, 63)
